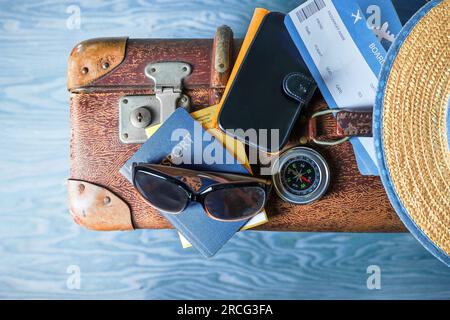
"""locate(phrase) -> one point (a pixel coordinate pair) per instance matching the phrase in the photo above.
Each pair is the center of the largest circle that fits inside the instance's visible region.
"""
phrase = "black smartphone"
(256, 100)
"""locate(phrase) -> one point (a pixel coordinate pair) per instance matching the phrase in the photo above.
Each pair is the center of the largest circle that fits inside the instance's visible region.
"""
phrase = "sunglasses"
(225, 197)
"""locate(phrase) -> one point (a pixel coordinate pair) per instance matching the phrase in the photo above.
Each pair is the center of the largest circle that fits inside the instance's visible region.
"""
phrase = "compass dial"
(301, 175)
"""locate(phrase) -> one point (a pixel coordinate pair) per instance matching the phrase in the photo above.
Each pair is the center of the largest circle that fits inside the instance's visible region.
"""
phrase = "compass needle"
(302, 175)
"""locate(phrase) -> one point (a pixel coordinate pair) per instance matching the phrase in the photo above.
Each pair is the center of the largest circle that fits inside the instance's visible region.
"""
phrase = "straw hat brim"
(411, 128)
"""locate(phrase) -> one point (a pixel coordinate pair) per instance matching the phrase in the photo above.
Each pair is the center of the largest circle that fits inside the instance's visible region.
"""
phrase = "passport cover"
(180, 130)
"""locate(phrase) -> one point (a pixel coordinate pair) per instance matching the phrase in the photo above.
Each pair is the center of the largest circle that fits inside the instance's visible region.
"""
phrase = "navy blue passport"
(182, 141)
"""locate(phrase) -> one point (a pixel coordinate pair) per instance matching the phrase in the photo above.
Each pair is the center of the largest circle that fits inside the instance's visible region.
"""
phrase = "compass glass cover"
(300, 175)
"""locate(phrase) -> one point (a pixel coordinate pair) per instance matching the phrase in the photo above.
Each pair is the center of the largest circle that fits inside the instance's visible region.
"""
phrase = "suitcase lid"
(119, 63)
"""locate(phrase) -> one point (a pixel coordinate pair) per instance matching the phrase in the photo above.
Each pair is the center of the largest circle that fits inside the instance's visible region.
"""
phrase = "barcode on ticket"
(310, 9)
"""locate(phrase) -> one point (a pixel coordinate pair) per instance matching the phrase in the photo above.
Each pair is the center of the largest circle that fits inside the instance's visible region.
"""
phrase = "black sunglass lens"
(162, 194)
(235, 203)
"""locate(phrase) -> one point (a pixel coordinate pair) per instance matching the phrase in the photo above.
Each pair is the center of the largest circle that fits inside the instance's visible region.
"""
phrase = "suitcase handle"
(221, 62)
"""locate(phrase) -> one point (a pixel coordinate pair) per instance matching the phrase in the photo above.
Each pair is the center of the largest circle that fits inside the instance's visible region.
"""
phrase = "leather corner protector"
(92, 59)
(97, 208)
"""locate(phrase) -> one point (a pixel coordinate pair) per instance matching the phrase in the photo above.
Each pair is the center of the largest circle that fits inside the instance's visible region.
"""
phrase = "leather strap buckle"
(348, 124)
(312, 129)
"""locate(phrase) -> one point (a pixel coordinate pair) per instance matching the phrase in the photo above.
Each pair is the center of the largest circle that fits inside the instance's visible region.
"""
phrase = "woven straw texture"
(414, 125)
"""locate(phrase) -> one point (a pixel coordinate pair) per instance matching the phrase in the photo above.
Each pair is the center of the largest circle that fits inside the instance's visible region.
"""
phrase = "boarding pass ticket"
(344, 55)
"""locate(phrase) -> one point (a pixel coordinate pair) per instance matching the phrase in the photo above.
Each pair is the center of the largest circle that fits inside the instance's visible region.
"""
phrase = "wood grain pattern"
(39, 241)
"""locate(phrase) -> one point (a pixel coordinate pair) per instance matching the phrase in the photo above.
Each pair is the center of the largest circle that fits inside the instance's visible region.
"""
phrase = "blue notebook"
(182, 141)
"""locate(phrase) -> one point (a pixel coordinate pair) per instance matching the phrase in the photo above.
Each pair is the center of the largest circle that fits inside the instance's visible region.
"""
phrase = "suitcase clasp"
(138, 112)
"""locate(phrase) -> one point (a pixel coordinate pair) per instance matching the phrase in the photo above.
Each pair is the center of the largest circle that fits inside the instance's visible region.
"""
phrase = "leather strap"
(352, 123)
(348, 124)
(299, 87)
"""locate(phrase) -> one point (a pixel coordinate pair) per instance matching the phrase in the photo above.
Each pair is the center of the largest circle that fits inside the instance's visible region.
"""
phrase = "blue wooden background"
(39, 241)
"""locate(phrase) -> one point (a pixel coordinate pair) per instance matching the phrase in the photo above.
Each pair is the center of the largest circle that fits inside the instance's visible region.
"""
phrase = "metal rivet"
(152, 70)
(125, 135)
(184, 69)
(303, 140)
(106, 200)
(81, 188)
(84, 70)
(105, 65)
(125, 101)
(184, 102)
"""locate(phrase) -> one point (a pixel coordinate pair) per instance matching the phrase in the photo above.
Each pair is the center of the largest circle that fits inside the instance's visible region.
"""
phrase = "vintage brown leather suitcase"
(101, 72)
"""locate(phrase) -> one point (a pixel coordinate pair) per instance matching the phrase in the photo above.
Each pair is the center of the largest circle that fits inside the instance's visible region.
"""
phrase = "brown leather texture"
(347, 124)
(354, 123)
(354, 203)
(92, 59)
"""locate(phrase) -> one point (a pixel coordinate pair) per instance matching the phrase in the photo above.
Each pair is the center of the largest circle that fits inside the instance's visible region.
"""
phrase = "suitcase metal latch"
(139, 112)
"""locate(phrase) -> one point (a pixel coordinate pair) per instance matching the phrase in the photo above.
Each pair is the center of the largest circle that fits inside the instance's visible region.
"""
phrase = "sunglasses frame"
(170, 174)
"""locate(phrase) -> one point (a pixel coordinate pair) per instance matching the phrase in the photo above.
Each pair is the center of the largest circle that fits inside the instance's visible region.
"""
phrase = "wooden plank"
(39, 242)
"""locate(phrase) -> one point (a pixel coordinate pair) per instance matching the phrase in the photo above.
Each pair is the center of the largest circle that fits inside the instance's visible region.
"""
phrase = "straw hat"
(412, 126)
